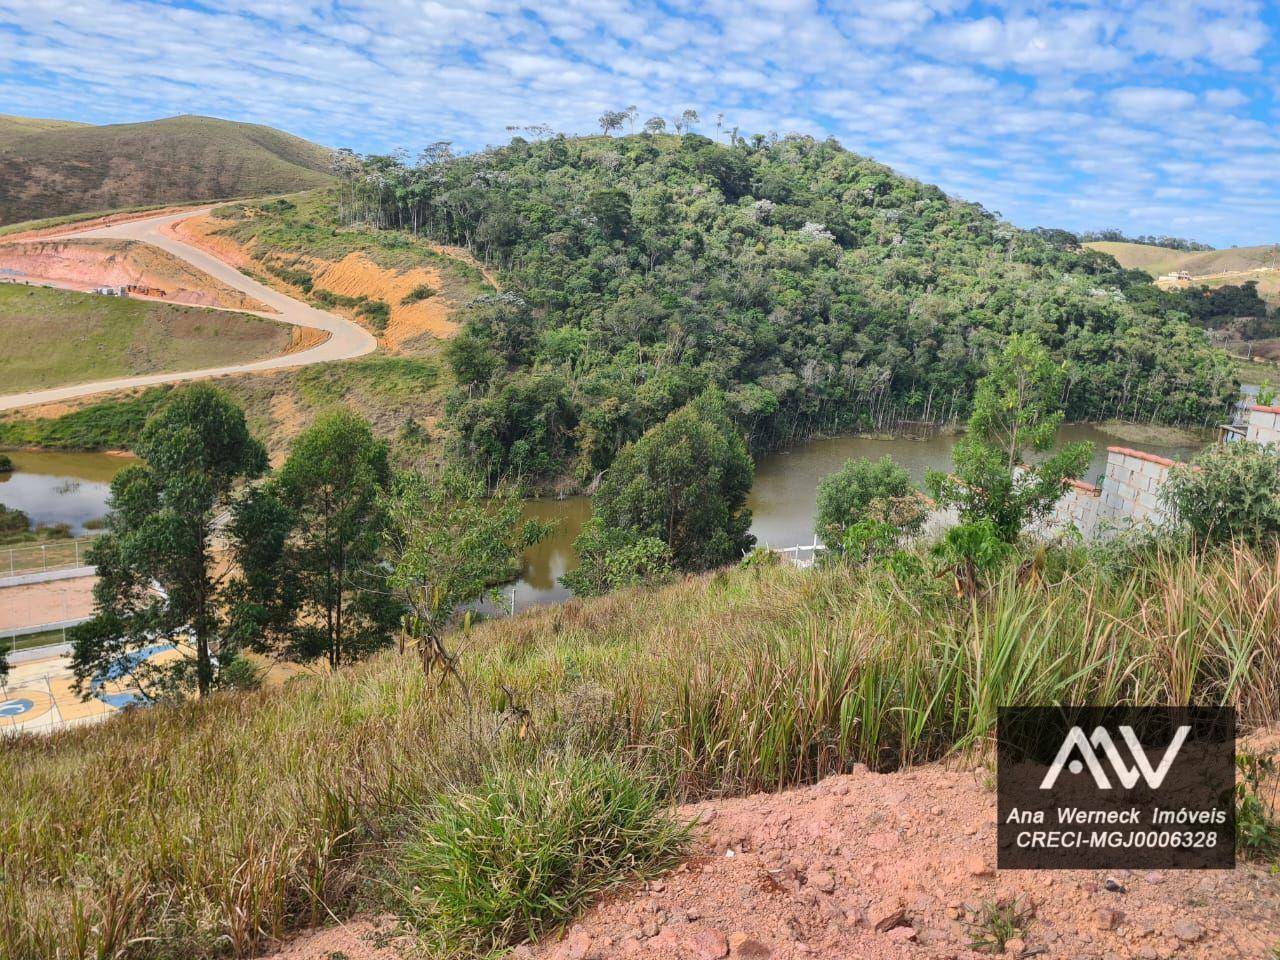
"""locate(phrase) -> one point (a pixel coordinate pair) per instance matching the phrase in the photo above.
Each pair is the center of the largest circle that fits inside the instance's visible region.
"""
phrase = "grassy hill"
(51, 168)
(13, 129)
(55, 337)
(207, 829)
(1160, 260)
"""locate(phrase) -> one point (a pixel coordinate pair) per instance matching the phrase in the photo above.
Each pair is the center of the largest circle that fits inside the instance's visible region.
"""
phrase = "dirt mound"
(88, 264)
(873, 867)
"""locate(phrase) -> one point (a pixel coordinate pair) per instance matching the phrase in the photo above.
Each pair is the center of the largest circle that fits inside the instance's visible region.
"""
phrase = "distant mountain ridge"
(52, 167)
(1161, 260)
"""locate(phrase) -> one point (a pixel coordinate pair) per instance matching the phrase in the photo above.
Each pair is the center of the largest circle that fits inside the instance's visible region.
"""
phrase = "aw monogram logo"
(1131, 788)
(1127, 775)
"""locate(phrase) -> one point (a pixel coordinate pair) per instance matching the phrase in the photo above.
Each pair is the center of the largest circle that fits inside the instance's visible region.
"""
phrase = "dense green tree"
(160, 580)
(1003, 470)
(449, 544)
(309, 547)
(865, 501)
(685, 482)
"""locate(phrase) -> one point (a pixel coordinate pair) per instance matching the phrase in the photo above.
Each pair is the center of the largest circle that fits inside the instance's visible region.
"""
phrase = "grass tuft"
(492, 865)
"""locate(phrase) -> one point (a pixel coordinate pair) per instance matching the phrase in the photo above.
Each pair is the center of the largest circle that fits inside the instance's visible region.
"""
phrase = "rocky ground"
(871, 867)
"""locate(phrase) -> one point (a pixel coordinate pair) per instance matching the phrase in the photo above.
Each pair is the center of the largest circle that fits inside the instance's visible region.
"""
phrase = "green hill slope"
(236, 819)
(69, 168)
(821, 291)
(13, 129)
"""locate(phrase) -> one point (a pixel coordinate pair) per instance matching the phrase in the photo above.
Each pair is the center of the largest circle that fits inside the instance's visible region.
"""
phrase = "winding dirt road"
(345, 340)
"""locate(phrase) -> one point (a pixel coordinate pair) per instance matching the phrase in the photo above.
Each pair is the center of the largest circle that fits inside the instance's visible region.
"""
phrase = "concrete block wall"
(1079, 508)
(1262, 424)
(1131, 486)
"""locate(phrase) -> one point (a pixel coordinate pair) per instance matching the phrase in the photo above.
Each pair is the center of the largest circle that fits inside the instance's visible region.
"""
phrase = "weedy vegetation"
(212, 829)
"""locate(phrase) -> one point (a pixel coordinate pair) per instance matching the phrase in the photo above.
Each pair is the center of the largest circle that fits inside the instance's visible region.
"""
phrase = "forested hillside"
(818, 289)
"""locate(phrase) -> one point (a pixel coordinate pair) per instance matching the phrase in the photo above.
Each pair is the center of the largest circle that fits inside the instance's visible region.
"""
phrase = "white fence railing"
(801, 555)
(42, 557)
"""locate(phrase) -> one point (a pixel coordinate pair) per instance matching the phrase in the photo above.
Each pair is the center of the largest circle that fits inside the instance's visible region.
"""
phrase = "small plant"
(377, 312)
(493, 865)
(1257, 826)
(998, 922)
(6, 463)
(971, 551)
(422, 291)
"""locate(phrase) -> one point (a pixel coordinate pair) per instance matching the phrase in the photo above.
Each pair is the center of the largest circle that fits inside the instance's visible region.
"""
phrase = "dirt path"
(344, 340)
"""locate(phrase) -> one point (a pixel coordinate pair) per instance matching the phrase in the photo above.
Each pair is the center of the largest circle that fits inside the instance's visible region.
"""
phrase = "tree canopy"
(1004, 473)
(817, 289)
(160, 583)
(309, 545)
(684, 483)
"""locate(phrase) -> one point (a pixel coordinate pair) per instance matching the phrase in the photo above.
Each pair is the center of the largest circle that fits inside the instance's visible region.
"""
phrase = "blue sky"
(1156, 116)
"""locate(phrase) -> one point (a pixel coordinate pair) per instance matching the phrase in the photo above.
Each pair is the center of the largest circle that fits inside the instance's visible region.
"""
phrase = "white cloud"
(1053, 112)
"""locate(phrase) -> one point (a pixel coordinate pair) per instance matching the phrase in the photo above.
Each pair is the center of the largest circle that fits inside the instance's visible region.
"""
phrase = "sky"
(1154, 116)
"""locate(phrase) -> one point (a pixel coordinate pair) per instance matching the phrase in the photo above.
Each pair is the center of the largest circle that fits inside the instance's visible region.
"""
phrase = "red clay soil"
(883, 867)
(83, 264)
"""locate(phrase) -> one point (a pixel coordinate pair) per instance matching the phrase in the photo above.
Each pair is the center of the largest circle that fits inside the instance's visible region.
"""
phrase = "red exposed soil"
(888, 867)
(86, 264)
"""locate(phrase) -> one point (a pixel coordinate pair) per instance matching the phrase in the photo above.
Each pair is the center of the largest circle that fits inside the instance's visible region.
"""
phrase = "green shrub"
(6, 463)
(13, 521)
(377, 312)
(299, 278)
(422, 291)
(329, 298)
(1232, 490)
(490, 866)
(864, 504)
(972, 552)
(1257, 828)
(610, 559)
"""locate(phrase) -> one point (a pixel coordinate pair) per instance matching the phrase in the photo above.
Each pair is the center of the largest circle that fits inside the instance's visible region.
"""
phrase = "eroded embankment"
(85, 264)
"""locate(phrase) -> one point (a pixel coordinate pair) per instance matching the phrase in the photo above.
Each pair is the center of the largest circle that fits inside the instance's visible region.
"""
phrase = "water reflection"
(52, 488)
(784, 497)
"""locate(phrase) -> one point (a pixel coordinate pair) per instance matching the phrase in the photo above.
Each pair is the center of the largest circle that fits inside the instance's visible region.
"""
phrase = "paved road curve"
(345, 341)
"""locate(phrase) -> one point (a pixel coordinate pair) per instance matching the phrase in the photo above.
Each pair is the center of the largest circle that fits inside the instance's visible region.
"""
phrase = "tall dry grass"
(212, 829)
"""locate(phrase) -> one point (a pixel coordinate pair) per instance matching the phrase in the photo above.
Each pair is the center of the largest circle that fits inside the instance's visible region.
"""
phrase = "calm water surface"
(69, 488)
(785, 493)
(72, 488)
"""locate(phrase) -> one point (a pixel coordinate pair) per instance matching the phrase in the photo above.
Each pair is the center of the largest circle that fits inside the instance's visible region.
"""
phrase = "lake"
(784, 497)
(72, 488)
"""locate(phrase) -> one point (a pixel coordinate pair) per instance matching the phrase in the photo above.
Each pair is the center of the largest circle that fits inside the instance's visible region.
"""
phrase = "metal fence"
(12, 641)
(40, 557)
